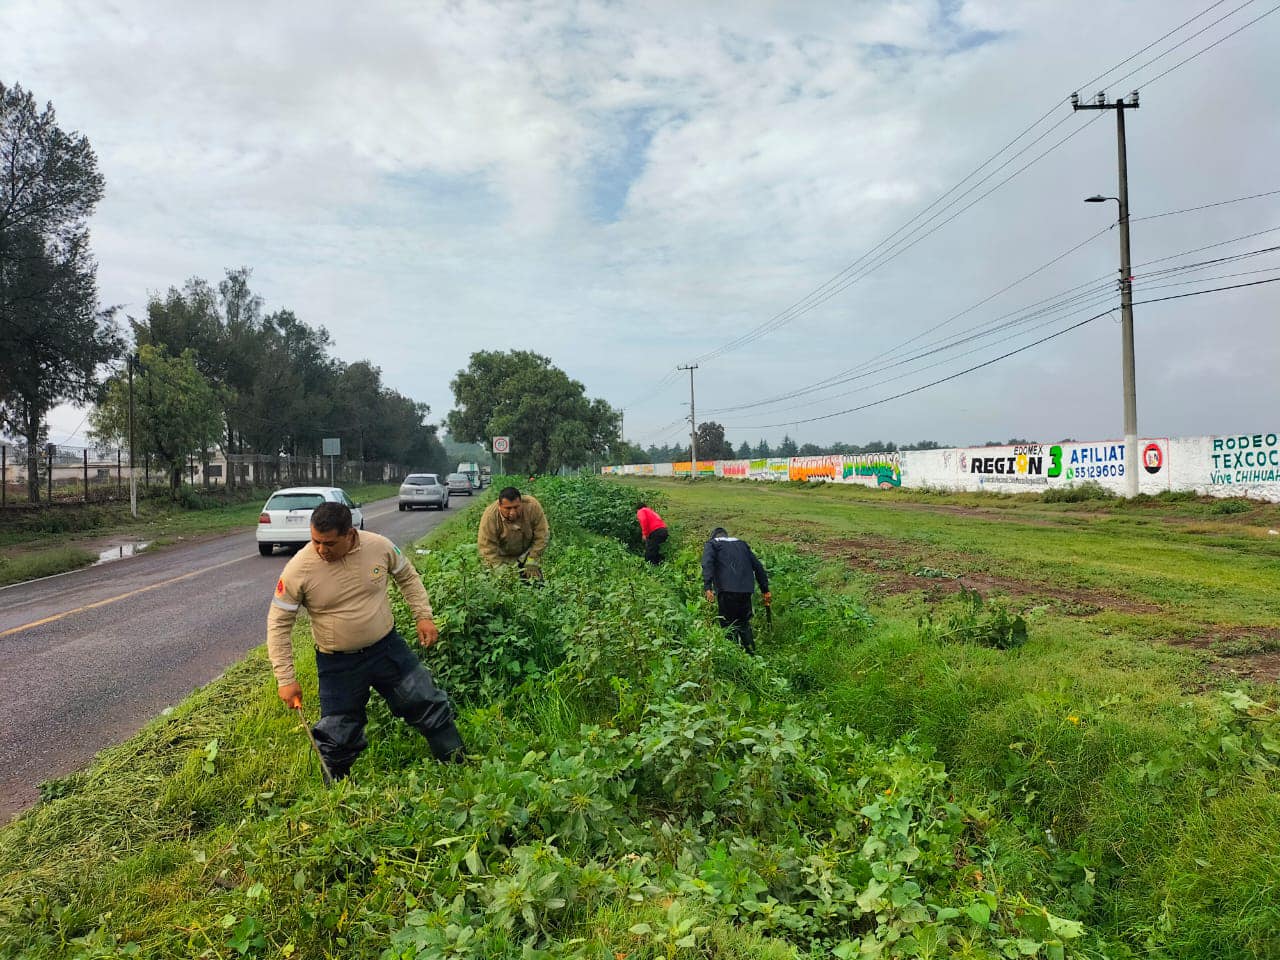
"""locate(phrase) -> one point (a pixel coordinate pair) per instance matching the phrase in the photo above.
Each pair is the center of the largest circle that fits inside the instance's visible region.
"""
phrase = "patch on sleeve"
(280, 587)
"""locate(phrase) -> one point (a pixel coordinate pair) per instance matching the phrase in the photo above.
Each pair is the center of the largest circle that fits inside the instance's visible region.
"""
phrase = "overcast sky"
(626, 187)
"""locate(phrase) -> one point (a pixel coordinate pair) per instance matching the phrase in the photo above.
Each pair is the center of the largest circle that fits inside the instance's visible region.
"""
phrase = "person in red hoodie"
(653, 531)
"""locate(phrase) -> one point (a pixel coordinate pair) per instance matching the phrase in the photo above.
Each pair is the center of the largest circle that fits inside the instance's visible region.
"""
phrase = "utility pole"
(133, 477)
(1126, 286)
(693, 426)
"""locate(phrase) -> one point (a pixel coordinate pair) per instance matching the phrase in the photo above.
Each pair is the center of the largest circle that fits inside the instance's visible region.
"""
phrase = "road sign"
(501, 444)
(331, 447)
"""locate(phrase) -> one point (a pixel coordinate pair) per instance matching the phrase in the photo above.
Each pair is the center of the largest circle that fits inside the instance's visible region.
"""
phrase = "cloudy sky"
(627, 187)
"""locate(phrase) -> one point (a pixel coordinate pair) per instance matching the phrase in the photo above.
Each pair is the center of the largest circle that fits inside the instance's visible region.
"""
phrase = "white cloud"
(424, 181)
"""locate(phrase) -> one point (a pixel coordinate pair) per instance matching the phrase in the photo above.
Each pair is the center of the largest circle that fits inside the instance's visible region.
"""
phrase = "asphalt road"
(88, 657)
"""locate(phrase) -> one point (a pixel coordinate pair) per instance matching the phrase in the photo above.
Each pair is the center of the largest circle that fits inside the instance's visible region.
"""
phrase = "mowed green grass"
(1105, 775)
(1222, 571)
(1100, 742)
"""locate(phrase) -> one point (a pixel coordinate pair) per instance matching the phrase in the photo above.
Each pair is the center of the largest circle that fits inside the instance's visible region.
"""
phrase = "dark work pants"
(735, 614)
(391, 668)
(653, 546)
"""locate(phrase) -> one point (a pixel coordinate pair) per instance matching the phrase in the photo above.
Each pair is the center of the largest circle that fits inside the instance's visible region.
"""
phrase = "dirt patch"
(1246, 653)
(1249, 653)
(898, 572)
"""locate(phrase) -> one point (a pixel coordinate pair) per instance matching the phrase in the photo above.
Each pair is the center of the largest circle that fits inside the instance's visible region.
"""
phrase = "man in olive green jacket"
(513, 529)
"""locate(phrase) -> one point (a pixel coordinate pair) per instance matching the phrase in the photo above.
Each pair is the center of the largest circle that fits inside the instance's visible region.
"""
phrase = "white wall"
(1240, 465)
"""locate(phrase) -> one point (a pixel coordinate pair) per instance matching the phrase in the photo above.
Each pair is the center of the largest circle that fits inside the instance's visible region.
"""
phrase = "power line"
(1181, 63)
(881, 255)
(1185, 40)
(1203, 206)
(1074, 305)
(1004, 356)
(1090, 291)
(884, 251)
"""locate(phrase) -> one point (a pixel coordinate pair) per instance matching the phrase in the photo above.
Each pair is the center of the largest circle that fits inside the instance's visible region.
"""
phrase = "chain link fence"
(67, 475)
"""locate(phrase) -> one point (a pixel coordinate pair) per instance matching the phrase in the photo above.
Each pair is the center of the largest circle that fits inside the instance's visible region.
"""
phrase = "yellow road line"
(123, 596)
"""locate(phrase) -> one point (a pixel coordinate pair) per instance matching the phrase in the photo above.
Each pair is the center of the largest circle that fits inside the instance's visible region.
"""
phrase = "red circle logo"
(1152, 458)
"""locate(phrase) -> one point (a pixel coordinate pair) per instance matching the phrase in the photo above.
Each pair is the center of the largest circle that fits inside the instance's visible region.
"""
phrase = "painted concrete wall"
(1239, 465)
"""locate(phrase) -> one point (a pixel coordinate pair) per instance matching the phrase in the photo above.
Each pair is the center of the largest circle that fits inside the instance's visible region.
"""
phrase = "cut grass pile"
(877, 785)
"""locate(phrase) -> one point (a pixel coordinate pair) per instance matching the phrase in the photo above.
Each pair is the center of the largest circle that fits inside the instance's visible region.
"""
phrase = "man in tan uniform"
(513, 529)
(341, 578)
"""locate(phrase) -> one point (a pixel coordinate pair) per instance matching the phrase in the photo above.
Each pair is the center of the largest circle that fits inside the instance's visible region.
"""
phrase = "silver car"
(459, 483)
(423, 490)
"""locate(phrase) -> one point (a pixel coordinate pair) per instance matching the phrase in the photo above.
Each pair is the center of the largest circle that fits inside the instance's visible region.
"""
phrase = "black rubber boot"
(446, 744)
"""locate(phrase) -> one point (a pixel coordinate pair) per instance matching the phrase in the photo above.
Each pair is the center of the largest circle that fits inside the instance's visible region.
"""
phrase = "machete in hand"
(296, 704)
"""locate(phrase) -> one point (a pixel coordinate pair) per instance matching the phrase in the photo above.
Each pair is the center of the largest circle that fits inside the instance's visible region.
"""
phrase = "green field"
(979, 727)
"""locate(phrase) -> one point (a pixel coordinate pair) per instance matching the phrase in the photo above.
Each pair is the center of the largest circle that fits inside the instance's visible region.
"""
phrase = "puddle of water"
(120, 551)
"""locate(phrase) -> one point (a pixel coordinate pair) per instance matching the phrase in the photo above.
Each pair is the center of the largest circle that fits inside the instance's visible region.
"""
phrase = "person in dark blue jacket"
(730, 572)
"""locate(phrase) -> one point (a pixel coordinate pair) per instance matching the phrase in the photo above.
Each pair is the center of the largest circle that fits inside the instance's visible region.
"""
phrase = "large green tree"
(711, 442)
(53, 336)
(547, 415)
(177, 411)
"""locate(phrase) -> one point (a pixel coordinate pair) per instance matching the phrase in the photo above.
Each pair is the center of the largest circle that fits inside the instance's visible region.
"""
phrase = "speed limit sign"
(501, 444)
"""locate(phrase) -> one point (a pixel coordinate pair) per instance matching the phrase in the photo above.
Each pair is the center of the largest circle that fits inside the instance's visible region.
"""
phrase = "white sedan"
(285, 520)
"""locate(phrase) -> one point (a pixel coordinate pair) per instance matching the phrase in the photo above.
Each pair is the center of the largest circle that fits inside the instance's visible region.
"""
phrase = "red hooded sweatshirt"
(649, 521)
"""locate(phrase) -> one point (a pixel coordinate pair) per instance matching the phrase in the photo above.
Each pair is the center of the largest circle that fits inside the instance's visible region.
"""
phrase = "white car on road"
(285, 520)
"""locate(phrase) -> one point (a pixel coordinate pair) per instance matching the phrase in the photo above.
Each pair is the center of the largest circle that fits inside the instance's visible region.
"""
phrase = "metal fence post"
(86, 474)
(119, 480)
(4, 475)
(50, 452)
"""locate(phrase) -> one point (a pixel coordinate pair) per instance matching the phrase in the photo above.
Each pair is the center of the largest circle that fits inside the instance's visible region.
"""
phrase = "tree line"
(712, 445)
(211, 369)
(214, 370)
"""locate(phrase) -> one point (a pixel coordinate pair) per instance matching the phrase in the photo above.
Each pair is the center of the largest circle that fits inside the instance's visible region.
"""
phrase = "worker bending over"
(513, 529)
(341, 578)
(730, 572)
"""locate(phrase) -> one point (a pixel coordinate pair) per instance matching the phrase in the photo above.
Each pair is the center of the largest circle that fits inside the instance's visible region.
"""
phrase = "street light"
(1126, 334)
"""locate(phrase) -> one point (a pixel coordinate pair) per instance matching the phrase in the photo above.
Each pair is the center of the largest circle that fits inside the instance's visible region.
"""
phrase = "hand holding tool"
(295, 703)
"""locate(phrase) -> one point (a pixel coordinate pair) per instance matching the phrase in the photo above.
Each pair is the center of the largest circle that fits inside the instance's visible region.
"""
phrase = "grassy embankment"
(639, 787)
(1108, 731)
(41, 543)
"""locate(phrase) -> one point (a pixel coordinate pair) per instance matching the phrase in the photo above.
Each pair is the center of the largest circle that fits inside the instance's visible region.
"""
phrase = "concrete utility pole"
(1126, 286)
(133, 475)
(693, 426)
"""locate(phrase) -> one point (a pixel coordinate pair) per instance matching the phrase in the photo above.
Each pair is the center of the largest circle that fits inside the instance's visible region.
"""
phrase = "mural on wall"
(1061, 464)
(706, 468)
(876, 469)
(813, 468)
(1225, 466)
(1031, 464)
(1244, 459)
(869, 469)
(768, 468)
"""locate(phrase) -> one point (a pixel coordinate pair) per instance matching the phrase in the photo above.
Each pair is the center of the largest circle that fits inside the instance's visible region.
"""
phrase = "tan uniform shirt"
(506, 541)
(347, 599)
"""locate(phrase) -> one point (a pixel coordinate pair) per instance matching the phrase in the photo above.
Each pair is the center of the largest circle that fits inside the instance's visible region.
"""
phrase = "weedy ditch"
(638, 788)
